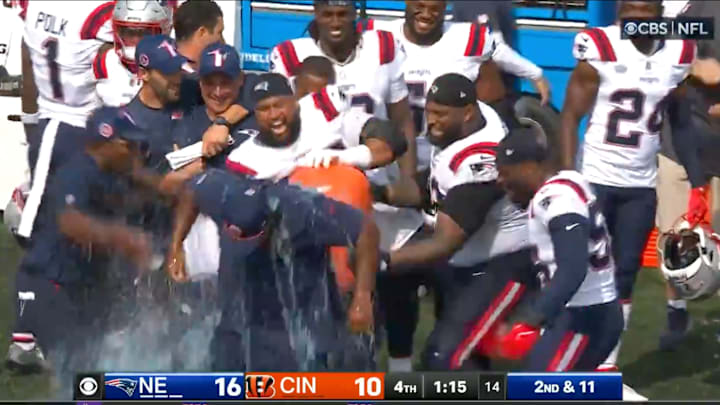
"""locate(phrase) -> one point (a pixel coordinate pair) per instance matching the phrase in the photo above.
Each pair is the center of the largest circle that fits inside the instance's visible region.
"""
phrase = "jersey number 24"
(636, 98)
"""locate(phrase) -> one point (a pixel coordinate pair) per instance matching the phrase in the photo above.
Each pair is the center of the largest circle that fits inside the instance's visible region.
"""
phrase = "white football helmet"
(133, 19)
(690, 260)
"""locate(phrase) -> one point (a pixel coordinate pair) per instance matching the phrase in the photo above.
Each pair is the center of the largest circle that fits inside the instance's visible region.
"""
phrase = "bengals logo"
(259, 386)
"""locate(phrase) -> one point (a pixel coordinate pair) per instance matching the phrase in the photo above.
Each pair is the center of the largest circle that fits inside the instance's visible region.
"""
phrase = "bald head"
(315, 73)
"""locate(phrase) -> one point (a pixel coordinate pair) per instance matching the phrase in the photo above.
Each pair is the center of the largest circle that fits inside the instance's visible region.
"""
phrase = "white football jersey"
(116, 84)
(63, 38)
(623, 135)
(569, 193)
(472, 160)
(462, 49)
(372, 79)
(326, 120)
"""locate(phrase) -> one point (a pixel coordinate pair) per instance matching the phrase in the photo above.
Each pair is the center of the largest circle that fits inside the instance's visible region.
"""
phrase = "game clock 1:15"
(451, 386)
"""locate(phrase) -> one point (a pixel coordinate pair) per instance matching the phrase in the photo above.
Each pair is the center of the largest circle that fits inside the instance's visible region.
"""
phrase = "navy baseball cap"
(452, 90)
(239, 203)
(159, 52)
(271, 85)
(110, 123)
(520, 146)
(219, 58)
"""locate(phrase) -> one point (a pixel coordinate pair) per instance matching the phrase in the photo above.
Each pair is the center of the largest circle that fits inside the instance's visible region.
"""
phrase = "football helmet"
(134, 19)
(690, 260)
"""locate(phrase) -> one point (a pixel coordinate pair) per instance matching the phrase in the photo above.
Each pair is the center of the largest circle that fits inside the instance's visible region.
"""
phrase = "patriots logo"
(545, 202)
(126, 384)
(481, 167)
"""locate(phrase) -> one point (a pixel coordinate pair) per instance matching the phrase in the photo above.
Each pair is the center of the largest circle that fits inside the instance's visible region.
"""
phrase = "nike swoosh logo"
(323, 189)
(571, 227)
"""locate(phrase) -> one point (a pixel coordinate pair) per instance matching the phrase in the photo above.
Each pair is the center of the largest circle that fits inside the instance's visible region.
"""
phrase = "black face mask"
(269, 139)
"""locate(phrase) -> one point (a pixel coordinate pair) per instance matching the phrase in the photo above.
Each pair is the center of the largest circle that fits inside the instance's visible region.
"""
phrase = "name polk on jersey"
(51, 24)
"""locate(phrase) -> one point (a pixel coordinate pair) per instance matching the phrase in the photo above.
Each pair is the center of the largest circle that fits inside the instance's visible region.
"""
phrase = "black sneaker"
(677, 328)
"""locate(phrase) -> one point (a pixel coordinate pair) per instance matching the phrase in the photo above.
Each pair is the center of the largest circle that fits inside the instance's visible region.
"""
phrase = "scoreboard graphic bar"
(357, 387)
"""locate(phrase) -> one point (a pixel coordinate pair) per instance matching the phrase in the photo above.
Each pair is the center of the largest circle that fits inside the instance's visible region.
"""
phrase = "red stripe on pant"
(571, 348)
(503, 303)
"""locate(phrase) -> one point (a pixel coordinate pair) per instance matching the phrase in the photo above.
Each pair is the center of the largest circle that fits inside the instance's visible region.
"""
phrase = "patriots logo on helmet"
(126, 384)
(545, 202)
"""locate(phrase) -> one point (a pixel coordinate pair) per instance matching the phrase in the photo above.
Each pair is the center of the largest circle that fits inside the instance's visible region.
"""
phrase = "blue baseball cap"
(110, 123)
(238, 203)
(520, 146)
(219, 58)
(159, 52)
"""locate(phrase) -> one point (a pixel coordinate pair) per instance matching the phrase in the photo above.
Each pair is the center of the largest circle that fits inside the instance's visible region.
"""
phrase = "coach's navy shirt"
(157, 125)
(81, 185)
(281, 279)
(190, 130)
(192, 126)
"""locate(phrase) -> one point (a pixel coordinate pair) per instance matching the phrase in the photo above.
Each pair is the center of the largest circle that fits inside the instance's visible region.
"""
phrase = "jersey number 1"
(51, 44)
(637, 101)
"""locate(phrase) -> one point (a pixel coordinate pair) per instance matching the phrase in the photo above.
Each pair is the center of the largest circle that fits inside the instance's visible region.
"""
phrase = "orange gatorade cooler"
(342, 183)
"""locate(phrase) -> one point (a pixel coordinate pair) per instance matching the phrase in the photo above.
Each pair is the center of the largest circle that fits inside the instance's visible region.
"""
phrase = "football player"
(578, 306)
(627, 86)
(116, 70)
(59, 46)
(434, 47)
(291, 130)
(477, 229)
(367, 65)
(368, 69)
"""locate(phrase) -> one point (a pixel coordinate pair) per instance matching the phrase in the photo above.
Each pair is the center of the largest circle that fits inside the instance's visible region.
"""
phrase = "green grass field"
(692, 373)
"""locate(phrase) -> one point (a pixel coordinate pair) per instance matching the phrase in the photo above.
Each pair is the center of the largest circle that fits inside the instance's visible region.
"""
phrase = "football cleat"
(26, 360)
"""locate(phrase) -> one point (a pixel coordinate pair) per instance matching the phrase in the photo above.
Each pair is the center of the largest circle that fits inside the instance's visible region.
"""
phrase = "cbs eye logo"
(630, 28)
(88, 386)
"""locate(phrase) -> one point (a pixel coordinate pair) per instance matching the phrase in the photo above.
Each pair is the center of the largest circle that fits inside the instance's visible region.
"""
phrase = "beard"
(267, 137)
(451, 135)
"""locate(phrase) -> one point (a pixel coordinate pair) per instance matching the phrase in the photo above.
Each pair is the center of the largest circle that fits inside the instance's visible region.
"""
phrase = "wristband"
(33, 118)
(358, 156)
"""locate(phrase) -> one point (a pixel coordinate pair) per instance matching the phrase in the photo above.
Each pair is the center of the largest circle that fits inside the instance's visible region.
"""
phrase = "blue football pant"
(580, 339)
(630, 216)
(477, 299)
(67, 322)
